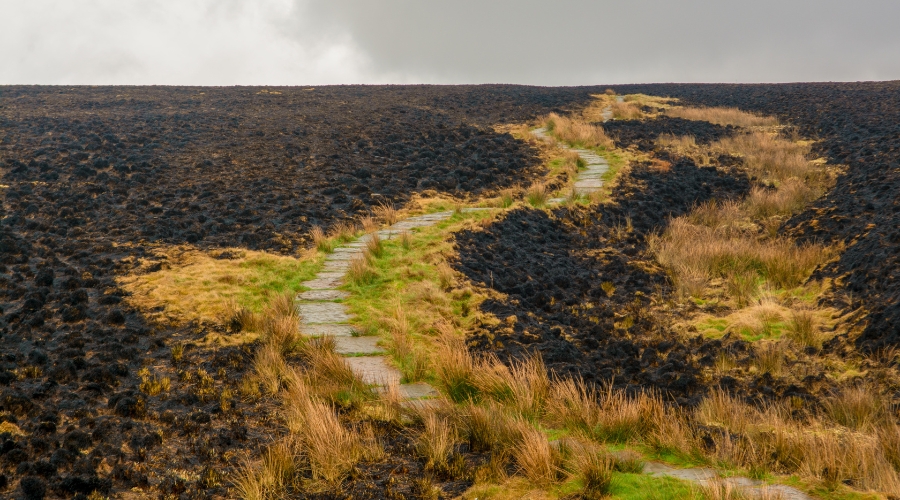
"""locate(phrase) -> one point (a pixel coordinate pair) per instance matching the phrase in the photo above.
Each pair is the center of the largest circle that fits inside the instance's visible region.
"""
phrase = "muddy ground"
(858, 125)
(91, 175)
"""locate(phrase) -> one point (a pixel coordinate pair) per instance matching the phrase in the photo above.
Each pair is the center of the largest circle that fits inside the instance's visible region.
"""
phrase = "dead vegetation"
(188, 284)
(505, 403)
(721, 116)
(318, 450)
(626, 110)
(730, 250)
(577, 132)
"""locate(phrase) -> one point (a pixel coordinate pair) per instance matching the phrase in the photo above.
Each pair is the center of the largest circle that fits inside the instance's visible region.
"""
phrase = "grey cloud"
(567, 42)
(573, 42)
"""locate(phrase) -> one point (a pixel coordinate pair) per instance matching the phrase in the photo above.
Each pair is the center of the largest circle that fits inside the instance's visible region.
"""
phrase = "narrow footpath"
(323, 314)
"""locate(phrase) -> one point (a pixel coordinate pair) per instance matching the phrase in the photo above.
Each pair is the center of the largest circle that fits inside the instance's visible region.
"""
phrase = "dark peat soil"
(643, 133)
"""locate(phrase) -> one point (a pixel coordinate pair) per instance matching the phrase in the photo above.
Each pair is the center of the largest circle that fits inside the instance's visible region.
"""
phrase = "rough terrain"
(858, 125)
(92, 176)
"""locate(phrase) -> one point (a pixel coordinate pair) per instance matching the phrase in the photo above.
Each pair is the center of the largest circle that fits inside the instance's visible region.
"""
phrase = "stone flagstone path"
(322, 312)
(589, 179)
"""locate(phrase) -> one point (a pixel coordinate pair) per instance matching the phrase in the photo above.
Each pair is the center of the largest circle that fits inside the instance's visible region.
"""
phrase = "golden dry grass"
(721, 116)
(360, 271)
(537, 460)
(649, 100)
(577, 132)
(436, 441)
(369, 225)
(626, 111)
(791, 197)
(387, 213)
(768, 156)
(700, 251)
(195, 285)
(537, 195)
(322, 242)
(595, 467)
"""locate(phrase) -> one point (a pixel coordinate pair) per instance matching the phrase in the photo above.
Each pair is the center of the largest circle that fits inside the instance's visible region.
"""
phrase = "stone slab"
(336, 265)
(323, 283)
(323, 312)
(329, 274)
(343, 256)
(357, 345)
(417, 390)
(556, 200)
(345, 249)
(589, 183)
(374, 370)
(407, 225)
(323, 295)
(702, 475)
(330, 329)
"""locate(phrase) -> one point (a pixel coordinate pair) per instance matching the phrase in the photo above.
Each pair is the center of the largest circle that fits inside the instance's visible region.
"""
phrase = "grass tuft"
(322, 242)
(537, 195)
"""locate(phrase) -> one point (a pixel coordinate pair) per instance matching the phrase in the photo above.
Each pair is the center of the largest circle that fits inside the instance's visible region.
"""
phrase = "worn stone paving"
(590, 178)
(323, 313)
(753, 488)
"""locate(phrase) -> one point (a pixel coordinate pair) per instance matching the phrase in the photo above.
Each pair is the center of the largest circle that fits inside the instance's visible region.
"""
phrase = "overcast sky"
(562, 42)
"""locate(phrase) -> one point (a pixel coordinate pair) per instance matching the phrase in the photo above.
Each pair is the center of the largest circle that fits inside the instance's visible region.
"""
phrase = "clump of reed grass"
(596, 471)
(768, 156)
(361, 271)
(322, 242)
(369, 225)
(537, 460)
(687, 248)
(406, 240)
(803, 328)
(343, 232)
(454, 366)
(507, 197)
(387, 213)
(770, 357)
(537, 195)
(436, 441)
(858, 407)
(374, 246)
(683, 145)
(789, 198)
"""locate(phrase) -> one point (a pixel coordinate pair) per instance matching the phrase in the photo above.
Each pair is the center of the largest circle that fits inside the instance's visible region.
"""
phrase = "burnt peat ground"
(643, 133)
(553, 269)
(91, 175)
(858, 125)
